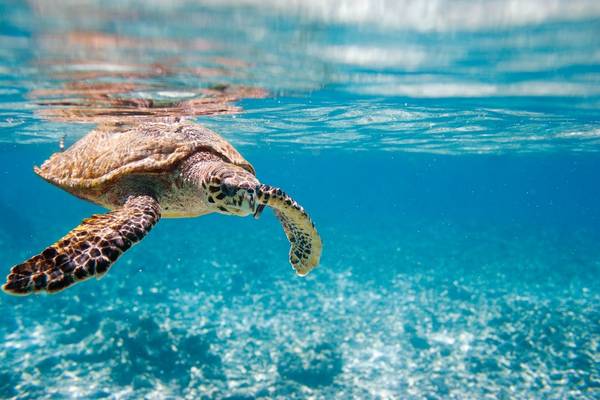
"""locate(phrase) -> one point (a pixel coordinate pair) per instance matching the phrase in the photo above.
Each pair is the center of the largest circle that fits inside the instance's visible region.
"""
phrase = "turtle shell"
(107, 154)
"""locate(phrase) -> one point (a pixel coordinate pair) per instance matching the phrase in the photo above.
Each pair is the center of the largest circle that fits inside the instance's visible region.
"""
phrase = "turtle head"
(232, 190)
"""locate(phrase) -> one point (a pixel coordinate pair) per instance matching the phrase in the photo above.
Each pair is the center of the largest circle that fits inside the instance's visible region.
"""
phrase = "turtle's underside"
(142, 173)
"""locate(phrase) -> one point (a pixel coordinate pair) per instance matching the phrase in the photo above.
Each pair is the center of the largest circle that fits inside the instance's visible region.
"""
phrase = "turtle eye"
(228, 190)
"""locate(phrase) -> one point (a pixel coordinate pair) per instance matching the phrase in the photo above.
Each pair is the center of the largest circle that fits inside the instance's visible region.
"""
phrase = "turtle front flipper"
(88, 250)
(305, 241)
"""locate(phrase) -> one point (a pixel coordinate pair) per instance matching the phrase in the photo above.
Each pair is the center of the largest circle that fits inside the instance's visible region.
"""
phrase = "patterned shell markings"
(107, 153)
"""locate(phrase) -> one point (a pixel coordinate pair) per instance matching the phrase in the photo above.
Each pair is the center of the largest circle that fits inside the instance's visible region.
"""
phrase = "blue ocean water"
(447, 152)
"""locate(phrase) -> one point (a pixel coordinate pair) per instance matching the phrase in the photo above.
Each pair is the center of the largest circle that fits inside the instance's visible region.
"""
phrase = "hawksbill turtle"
(142, 173)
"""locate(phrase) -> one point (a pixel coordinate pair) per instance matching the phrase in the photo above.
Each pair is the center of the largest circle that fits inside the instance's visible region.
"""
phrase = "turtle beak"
(259, 209)
(254, 204)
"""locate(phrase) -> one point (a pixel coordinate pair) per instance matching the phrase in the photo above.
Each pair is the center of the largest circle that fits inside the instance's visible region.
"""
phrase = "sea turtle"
(142, 173)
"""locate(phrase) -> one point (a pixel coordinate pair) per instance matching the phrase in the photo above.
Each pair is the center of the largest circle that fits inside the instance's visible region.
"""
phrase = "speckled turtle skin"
(143, 173)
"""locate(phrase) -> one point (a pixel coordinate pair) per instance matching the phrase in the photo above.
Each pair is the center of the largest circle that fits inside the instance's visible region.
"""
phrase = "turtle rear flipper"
(305, 241)
(88, 250)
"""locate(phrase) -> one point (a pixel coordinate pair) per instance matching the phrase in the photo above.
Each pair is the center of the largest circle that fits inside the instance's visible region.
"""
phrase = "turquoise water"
(447, 152)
